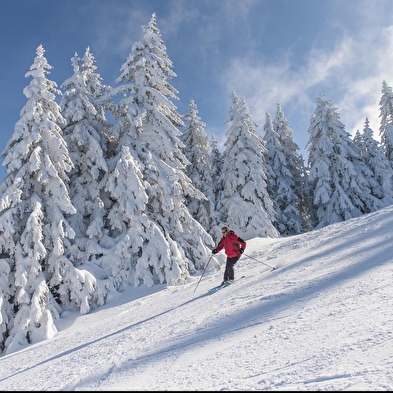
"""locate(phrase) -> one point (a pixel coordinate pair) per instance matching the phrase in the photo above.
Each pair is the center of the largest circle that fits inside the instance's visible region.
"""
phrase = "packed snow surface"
(322, 320)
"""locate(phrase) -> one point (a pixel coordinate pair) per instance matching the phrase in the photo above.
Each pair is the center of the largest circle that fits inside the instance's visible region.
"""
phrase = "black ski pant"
(229, 271)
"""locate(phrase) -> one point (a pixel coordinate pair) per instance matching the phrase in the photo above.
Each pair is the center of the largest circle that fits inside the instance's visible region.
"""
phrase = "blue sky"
(268, 51)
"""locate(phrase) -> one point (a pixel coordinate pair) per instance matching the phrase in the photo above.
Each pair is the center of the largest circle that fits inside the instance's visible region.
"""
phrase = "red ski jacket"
(231, 243)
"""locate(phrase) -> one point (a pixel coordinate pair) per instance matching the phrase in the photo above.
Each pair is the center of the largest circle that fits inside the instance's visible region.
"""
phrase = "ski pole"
(236, 245)
(203, 272)
(273, 268)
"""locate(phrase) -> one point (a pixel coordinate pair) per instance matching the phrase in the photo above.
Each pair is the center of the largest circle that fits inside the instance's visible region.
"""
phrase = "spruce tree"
(199, 153)
(286, 163)
(245, 203)
(217, 163)
(7, 290)
(85, 132)
(134, 255)
(271, 143)
(380, 169)
(283, 181)
(336, 172)
(386, 115)
(34, 207)
(147, 122)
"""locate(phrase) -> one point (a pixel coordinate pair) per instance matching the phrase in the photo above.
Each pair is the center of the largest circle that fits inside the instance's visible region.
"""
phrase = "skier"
(234, 247)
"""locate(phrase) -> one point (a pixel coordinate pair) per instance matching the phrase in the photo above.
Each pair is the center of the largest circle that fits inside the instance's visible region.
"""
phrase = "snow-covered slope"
(323, 320)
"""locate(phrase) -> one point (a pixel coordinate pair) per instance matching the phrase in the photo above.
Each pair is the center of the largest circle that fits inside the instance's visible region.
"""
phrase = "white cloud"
(350, 74)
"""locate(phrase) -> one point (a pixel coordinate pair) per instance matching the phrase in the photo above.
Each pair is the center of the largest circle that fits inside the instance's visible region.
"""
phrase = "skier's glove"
(241, 250)
(214, 251)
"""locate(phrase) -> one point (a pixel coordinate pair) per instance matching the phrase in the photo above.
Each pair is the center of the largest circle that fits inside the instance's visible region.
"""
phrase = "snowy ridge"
(322, 321)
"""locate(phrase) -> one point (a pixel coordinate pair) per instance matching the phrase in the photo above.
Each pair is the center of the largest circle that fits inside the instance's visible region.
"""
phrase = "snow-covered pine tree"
(245, 203)
(146, 122)
(285, 174)
(339, 189)
(7, 290)
(372, 153)
(34, 207)
(271, 143)
(358, 139)
(386, 115)
(136, 256)
(217, 163)
(199, 153)
(6, 294)
(86, 134)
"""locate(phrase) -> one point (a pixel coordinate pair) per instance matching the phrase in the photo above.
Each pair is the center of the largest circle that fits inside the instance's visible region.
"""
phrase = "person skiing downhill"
(234, 247)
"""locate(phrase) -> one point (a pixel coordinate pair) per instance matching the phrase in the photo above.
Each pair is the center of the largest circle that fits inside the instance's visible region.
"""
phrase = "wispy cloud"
(349, 71)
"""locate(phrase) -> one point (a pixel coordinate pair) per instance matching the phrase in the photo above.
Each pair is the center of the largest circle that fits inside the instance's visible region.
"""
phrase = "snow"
(322, 320)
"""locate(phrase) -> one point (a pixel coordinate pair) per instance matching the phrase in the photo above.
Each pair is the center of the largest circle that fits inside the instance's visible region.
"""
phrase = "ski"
(219, 287)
